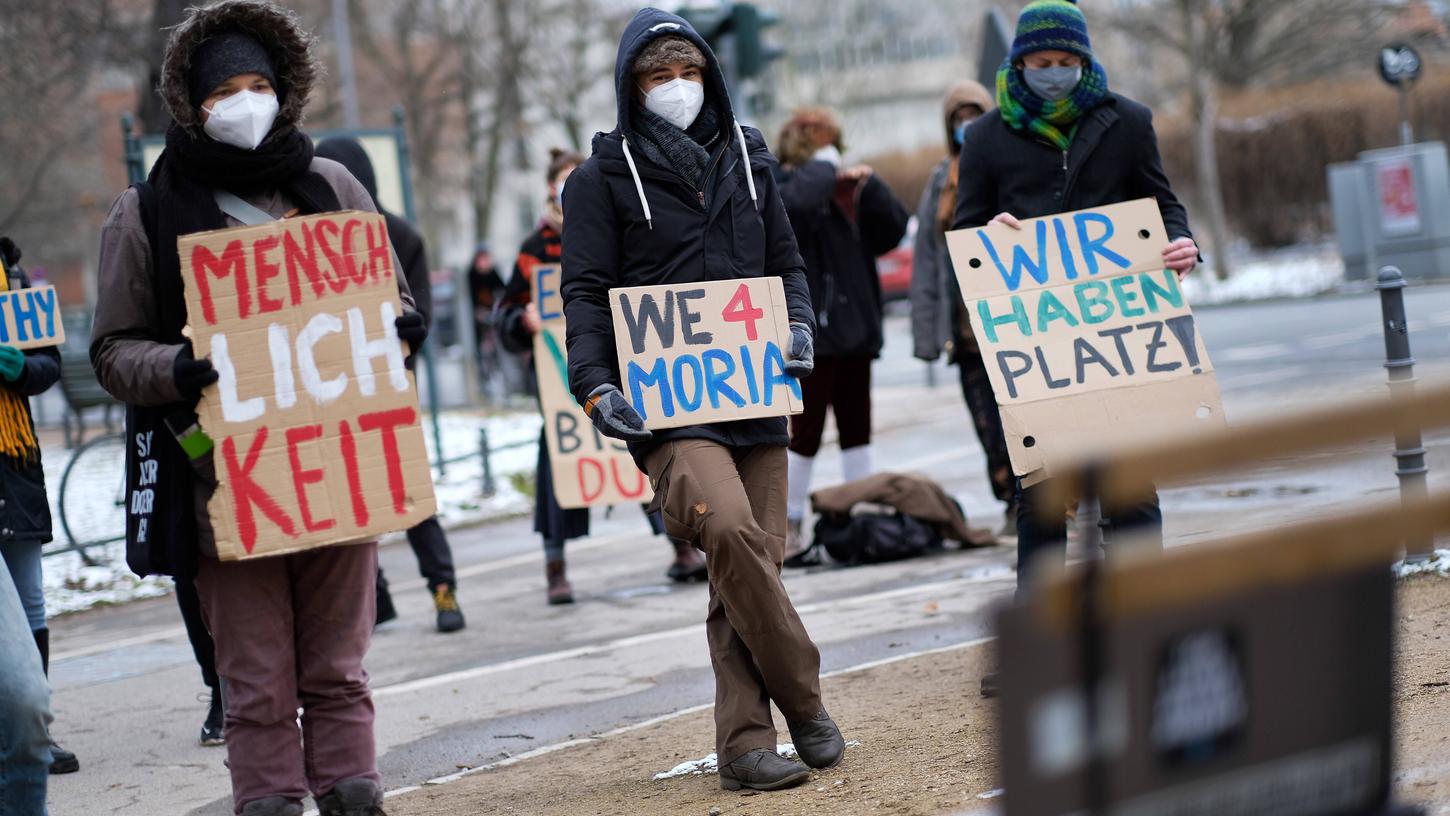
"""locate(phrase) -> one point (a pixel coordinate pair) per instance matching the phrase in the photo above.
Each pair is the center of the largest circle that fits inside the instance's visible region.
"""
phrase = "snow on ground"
(1291, 273)
(1436, 564)
(94, 490)
(709, 764)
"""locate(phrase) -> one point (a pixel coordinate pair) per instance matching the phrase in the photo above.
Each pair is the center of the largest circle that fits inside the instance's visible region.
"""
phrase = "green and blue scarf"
(1022, 109)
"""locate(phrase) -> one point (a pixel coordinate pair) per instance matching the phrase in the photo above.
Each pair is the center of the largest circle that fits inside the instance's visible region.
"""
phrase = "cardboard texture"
(588, 468)
(30, 318)
(1088, 340)
(315, 420)
(1247, 697)
(693, 354)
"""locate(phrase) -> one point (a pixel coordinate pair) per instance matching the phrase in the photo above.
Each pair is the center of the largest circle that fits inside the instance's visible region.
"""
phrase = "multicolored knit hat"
(1051, 25)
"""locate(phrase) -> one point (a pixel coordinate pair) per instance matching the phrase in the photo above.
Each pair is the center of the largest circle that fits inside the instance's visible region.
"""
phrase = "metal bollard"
(1409, 447)
(483, 451)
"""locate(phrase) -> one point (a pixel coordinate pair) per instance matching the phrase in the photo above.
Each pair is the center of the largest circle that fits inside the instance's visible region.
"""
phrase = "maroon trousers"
(291, 632)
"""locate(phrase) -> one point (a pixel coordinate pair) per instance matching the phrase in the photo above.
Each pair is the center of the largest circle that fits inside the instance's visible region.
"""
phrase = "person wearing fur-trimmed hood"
(681, 193)
(291, 631)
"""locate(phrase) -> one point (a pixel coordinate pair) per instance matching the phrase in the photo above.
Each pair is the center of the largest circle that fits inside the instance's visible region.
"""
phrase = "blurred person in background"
(938, 319)
(25, 524)
(291, 630)
(518, 323)
(429, 542)
(844, 217)
(485, 292)
(1060, 141)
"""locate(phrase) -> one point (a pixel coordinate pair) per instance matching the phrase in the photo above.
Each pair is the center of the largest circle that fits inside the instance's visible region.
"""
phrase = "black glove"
(9, 252)
(612, 414)
(413, 330)
(190, 374)
(801, 357)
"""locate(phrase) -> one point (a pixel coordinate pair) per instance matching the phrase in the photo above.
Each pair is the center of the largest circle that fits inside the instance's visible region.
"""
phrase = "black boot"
(689, 564)
(212, 733)
(386, 612)
(61, 760)
(352, 797)
(818, 741)
(763, 770)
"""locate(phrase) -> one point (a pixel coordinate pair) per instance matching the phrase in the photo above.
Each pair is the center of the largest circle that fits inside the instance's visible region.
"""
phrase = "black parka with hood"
(629, 222)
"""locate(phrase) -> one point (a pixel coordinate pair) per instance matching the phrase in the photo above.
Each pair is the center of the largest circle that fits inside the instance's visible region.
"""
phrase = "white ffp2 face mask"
(677, 101)
(242, 119)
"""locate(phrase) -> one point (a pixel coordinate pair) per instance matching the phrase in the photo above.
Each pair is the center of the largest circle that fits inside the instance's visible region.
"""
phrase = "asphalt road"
(525, 675)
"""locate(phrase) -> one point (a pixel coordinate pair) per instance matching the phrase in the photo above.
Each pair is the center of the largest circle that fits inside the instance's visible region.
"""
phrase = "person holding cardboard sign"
(679, 193)
(1061, 141)
(291, 630)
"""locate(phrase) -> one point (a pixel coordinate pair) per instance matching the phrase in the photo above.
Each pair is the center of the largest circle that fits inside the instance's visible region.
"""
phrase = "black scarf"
(191, 169)
(687, 152)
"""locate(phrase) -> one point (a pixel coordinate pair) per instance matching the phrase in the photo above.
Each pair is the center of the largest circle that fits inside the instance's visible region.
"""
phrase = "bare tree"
(1239, 43)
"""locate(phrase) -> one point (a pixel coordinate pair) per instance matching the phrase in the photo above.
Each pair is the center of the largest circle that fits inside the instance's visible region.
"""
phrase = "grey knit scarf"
(687, 152)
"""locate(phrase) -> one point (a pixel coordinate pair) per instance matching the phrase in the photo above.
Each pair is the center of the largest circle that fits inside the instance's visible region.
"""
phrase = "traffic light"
(752, 53)
(712, 24)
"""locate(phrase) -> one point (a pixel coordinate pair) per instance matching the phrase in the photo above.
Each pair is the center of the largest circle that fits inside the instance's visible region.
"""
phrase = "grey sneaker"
(763, 770)
(818, 741)
(352, 797)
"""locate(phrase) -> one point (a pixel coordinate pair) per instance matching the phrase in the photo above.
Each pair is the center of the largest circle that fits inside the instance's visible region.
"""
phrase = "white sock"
(856, 463)
(798, 484)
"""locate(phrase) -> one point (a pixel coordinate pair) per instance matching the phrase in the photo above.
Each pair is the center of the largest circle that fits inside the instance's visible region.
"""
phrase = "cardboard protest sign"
(315, 419)
(1227, 681)
(696, 353)
(1087, 338)
(587, 467)
(29, 318)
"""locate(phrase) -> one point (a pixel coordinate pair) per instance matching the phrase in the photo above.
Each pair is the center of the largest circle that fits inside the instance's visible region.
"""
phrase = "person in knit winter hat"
(1060, 141)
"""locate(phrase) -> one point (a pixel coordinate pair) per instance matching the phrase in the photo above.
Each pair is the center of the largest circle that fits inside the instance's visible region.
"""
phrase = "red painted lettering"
(232, 262)
(379, 252)
(354, 479)
(741, 310)
(387, 423)
(301, 259)
(302, 478)
(619, 480)
(357, 273)
(591, 468)
(246, 492)
(334, 275)
(265, 271)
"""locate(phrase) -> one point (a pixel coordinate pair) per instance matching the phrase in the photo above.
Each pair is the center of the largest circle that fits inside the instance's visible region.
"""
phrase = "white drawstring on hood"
(639, 184)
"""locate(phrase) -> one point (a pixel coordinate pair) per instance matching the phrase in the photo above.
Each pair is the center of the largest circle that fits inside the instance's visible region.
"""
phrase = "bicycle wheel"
(93, 494)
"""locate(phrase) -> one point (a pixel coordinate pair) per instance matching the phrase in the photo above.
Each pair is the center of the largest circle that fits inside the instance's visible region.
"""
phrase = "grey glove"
(612, 414)
(801, 357)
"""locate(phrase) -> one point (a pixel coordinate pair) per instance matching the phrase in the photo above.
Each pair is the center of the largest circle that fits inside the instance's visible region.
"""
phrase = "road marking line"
(522, 559)
(467, 675)
(1262, 351)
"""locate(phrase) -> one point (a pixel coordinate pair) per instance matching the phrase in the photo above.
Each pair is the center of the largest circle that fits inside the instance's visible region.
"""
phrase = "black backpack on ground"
(872, 536)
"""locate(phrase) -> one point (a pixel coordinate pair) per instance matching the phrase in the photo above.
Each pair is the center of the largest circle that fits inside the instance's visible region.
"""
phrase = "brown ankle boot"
(559, 590)
(689, 564)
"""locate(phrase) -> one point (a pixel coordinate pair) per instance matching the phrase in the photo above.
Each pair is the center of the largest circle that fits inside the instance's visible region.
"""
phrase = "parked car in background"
(895, 266)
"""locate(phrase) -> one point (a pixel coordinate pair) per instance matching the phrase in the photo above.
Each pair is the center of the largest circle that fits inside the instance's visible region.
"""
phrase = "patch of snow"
(71, 585)
(1437, 564)
(1293, 273)
(992, 794)
(710, 763)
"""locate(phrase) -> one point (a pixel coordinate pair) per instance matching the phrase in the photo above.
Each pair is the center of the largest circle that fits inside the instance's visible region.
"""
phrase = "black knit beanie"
(224, 56)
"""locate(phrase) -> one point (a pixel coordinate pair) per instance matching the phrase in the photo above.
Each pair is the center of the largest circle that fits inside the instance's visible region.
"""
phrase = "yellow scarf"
(17, 434)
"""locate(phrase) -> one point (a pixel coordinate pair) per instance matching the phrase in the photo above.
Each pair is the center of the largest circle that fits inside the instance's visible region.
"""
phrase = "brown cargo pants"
(730, 503)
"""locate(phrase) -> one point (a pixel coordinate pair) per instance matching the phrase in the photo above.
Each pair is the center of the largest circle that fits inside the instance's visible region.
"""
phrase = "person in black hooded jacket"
(844, 219)
(429, 542)
(680, 193)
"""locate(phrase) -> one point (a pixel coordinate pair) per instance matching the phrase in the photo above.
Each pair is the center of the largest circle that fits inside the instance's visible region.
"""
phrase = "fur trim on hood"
(279, 30)
(966, 92)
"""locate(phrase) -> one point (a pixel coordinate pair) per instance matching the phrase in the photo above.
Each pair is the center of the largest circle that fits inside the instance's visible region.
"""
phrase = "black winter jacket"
(24, 510)
(1113, 158)
(717, 233)
(840, 241)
